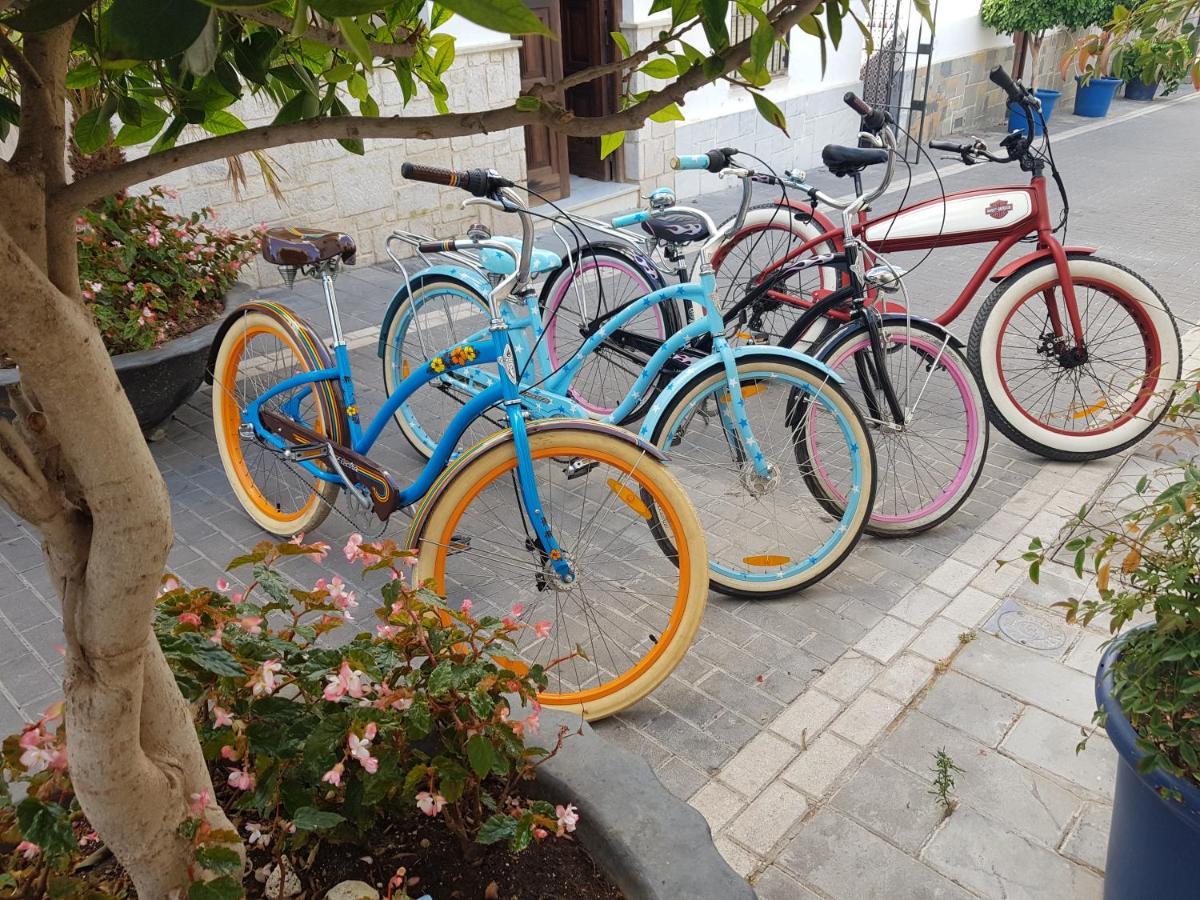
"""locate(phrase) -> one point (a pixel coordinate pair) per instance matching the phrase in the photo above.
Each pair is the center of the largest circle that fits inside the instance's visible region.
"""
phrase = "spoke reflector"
(747, 392)
(766, 560)
(1087, 411)
(405, 369)
(629, 498)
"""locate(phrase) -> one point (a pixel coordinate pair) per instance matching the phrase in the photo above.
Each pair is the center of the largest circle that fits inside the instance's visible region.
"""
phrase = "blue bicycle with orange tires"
(574, 525)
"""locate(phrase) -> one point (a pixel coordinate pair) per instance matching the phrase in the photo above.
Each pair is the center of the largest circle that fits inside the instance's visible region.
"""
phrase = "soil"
(206, 311)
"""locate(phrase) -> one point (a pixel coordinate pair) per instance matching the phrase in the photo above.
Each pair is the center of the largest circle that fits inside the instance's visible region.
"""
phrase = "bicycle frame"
(492, 348)
(1036, 222)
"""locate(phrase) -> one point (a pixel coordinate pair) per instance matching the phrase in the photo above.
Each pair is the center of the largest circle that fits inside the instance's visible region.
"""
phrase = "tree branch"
(328, 36)
(591, 73)
(75, 196)
(15, 58)
(23, 486)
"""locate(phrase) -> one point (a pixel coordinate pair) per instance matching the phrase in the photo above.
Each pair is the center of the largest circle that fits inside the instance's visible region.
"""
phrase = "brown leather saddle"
(289, 245)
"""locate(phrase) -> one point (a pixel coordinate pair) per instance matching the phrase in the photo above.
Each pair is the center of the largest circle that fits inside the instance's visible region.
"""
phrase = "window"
(741, 26)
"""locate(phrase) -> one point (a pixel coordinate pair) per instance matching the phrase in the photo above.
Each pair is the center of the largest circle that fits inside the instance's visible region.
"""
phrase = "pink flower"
(129, 284)
(170, 583)
(251, 624)
(540, 833)
(568, 817)
(346, 681)
(430, 804)
(39, 754)
(96, 286)
(352, 549)
(222, 585)
(227, 752)
(147, 315)
(360, 748)
(241, 779)
(322, 550)
(222, 718)
(334, 775)
(338, 595)
(199, 803)
(154, 237)
(264, 683)
(189, 618)
(387, 632)
(516, 610)
(466, 607)
(28, 849)
(88, 295)
(257, 835)
(218, 635)
(542, 629)
(533, 720)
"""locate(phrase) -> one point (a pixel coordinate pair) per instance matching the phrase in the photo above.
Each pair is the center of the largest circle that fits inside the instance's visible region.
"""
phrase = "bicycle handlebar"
(480, 182)
(873, 119)
(715, 160)
(1001, 78)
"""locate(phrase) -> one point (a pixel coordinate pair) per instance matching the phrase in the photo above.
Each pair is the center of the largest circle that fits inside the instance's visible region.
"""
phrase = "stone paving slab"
(803, 728)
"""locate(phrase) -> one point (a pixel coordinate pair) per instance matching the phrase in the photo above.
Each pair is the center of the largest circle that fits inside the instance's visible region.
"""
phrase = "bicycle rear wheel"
(929, 465)
(434, 317)
(257, 353)
(769, 536)
(633, 540)
(602, 280)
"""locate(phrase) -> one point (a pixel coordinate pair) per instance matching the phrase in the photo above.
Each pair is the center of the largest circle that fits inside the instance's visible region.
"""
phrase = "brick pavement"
(802, 727)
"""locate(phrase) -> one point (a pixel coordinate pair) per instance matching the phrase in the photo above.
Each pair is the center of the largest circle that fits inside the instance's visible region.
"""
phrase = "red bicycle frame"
(1005, 236)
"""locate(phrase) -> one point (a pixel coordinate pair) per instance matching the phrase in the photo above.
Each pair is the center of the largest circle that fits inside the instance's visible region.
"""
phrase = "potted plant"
(1034, 20)
(157, 284)
(1146, 559)
(413, 757)
(1148, 62)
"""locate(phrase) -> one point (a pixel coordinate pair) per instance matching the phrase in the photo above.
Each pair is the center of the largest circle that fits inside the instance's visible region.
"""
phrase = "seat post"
(335, 322)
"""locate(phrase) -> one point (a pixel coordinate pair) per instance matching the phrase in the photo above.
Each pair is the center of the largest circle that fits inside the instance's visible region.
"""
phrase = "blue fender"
(702, 367)
(468, 279)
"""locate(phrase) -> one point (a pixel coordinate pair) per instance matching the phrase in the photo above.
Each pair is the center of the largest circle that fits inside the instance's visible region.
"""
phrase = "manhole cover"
(1029, 630)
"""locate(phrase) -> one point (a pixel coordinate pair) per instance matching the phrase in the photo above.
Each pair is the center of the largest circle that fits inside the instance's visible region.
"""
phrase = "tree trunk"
(78, 469)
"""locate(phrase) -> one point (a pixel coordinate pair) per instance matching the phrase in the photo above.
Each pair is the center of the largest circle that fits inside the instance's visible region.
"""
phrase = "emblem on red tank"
(998, 209)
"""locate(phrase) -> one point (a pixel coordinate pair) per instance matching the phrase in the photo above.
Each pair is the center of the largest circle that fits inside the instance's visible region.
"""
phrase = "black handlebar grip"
(720, 159)
(951, 146)
(473, 181)
(857, 104)
(1001, 78)
(433, 246)
(873, 119)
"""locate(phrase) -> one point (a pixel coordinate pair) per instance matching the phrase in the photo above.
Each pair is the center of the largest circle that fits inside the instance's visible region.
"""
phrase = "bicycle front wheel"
(433, 318)
(770, 535)
(1066, 399)
(929, 464)
(633, 541)
(257, 353)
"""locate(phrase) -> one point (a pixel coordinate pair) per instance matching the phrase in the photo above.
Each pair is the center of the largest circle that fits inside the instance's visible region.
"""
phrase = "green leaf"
(498, 827)
(713, 14)
(340, 72)
(91, 130)
(622, 43)
(223, 888)
(926, 13)
(506, 16)
(222, 122)
(46, 14)
(523, 835)
(480, 754)
(669, 113)
(610, 142)
(833, 22)
(151, 29)
(309, 819)
(441, 679)
(660, 68)
(525, 103)
(357, 41)
(770, 111)
(761, 44)
(84, 75)
(46, 825)
(337, 9)
(218, 859)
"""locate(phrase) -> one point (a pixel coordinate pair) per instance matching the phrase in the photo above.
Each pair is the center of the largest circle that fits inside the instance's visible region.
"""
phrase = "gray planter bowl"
(653, 845)
(159, 381)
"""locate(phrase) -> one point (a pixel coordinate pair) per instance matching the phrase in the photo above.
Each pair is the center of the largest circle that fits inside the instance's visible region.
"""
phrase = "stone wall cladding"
(365, 196)
(648, 150)
(963, 100)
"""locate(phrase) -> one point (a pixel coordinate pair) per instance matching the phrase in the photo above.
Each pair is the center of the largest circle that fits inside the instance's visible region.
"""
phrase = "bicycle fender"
(1037, 256)
(888, 319)
(806, 212)
(468, 279)
(629, 253)
(703, 367)
(421, 513)
(310, 344)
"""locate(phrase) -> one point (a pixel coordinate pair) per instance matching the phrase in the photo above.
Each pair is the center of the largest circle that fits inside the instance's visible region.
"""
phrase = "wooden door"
(545, 150)
(586, 25)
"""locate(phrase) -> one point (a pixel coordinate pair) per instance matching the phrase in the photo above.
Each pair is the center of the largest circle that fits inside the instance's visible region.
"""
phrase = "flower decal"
(437, 364)
(462, 355)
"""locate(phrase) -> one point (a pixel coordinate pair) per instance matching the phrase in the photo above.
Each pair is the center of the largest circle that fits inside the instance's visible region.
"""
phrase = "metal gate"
(896, 74)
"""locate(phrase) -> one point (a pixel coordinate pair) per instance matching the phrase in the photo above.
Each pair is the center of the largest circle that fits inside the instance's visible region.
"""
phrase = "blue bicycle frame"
(483, 348)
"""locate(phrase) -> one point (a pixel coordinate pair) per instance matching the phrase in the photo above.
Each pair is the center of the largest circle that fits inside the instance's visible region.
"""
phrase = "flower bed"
(383, 759)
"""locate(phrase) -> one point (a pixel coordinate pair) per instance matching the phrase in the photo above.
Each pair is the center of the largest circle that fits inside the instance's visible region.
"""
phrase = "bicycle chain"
(367, 533)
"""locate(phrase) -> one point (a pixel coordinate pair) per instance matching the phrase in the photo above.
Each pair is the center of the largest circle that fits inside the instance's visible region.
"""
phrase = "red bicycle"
(1076, 354)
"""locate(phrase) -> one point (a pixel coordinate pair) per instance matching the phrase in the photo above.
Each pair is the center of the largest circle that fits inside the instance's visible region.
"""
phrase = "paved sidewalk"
(804, 728)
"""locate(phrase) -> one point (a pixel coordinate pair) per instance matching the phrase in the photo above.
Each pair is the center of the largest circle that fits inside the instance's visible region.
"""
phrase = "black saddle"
(848, 160)
(678, 226)
(289, 245)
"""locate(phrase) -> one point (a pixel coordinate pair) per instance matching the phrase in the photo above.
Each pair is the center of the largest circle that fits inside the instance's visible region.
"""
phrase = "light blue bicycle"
(760, 436)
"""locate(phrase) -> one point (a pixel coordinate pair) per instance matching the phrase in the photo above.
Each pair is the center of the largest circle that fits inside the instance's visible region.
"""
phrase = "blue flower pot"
(1094, 98)
(1154, 839)
(1017, 117)
(1139, 90)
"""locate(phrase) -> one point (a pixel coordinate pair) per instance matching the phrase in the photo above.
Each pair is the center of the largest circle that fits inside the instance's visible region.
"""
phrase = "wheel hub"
(760, 485)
